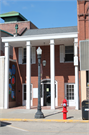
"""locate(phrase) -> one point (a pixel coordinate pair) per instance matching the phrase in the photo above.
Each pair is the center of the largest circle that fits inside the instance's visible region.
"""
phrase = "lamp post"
(39, 114)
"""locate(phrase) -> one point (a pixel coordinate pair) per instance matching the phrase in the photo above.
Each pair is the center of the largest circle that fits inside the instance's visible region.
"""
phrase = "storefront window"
(87, 78)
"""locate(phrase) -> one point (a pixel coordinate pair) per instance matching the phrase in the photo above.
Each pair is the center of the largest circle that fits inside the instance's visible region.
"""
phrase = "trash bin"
(85, 110)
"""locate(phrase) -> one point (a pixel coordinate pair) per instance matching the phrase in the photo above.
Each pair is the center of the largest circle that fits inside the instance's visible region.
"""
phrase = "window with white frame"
(69, 53)
(70, 92)
(24, 96)
(22, 55)
(66, 53)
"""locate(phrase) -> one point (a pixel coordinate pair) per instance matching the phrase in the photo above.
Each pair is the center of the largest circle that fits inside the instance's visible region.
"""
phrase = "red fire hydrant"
(64, 109)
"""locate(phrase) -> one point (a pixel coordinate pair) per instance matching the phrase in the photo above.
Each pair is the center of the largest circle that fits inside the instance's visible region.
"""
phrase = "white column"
(76, 73)
(28, 74)
(6, 98)
(52, 73)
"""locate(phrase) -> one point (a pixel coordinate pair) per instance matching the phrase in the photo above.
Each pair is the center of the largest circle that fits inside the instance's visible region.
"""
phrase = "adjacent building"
(83, 42)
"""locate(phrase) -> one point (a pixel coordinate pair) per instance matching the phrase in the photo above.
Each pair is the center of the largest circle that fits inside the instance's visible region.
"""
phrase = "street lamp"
(39, 114)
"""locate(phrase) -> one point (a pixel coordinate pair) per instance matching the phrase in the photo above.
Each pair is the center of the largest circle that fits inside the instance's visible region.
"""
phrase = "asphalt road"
(43, 128)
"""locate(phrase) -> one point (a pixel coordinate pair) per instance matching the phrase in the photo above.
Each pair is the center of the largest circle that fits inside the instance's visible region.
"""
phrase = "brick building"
(59, 78)
(83, 42)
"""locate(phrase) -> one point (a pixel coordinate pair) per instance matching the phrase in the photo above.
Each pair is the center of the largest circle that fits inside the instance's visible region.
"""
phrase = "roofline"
(40, 37)
(6, 32)
(22, 17)
(14, 22)
(15, 14)
(52, 28)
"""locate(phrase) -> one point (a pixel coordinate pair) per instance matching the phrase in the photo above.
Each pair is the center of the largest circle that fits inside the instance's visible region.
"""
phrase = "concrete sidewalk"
(30, 114)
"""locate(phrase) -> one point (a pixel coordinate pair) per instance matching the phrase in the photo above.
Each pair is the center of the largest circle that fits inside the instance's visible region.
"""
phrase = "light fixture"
(44, 63)
(39, 51)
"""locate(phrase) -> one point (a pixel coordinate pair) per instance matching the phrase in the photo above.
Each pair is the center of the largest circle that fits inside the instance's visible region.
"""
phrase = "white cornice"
(40, 37)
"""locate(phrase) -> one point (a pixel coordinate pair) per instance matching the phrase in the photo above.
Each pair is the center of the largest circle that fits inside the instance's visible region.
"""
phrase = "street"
(43, 128)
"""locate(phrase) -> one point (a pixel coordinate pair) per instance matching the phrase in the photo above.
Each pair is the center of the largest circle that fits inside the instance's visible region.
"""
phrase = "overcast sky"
(44, 13)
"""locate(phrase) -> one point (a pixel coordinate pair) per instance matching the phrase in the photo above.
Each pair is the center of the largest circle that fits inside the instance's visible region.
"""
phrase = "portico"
(38, 40)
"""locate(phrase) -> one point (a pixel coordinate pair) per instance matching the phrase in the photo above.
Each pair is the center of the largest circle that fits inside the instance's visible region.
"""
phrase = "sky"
(44, 13)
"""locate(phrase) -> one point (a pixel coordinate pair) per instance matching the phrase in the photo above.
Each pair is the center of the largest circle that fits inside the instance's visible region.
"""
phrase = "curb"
(44, 120)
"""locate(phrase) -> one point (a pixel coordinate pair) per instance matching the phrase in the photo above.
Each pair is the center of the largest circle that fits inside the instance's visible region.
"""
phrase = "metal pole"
(39, 114)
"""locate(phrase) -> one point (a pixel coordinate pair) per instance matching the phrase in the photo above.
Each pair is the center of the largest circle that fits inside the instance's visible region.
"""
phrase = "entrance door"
(24, 94)
(70, 94)
(47, 95)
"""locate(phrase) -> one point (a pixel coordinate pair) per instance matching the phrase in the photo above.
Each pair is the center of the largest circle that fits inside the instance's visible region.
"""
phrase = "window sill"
(69, 62)
(25, 64)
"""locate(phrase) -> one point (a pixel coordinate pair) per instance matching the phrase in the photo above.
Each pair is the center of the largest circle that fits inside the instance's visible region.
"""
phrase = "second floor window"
(66, 53)
(22, 55)
(69, 53)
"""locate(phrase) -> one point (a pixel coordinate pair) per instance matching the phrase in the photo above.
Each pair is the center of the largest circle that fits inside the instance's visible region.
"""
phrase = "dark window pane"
(24, 58)
(73, 98)
(69, 57)
(87, 78)
(24, 96)
(69, 49)
(24, 51)
(25, 88)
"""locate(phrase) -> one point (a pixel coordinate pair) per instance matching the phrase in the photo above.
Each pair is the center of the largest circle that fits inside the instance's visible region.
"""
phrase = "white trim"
(28, 74)
(52, 73)
(76, 73)
(56, 94)
(2, 57)
(6, 95)
(74, 91)
(40, 37)
(23, 93)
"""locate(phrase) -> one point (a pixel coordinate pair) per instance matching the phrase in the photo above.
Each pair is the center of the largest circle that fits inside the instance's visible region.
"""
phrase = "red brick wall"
(83, 18)
(10, 27)
(83, 29)
(35, 102)
(64, 73)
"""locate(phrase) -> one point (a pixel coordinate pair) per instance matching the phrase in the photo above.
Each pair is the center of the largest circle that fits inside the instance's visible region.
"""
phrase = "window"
(22, 55)
(70, 92)
(69, 53)
(66, 53)
(87, 84)
(87, 78)
(25, 92)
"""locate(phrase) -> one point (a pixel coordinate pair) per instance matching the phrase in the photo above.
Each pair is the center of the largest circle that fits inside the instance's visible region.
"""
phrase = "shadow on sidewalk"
(5, 124)
(70, 117)
(52, 114)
